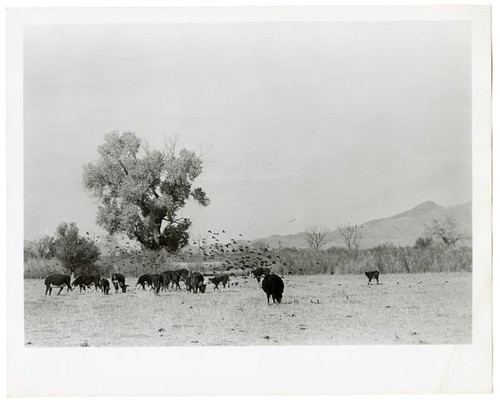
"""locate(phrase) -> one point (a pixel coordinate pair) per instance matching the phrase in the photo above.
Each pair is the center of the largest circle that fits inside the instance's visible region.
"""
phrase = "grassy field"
(423, 308)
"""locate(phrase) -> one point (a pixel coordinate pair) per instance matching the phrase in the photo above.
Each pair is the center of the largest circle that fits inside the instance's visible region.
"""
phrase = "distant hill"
(400, 229)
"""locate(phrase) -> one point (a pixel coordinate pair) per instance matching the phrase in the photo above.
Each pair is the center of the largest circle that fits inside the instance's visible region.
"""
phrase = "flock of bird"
(245, 256)
(216, 255)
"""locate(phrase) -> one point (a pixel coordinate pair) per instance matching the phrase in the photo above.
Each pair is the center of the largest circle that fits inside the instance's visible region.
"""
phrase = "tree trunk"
(156, 237)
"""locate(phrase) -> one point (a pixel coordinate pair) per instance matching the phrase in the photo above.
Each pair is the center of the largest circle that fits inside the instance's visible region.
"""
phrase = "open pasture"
(423, 308)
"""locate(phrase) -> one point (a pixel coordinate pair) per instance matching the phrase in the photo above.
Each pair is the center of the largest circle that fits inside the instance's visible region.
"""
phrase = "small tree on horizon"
(315, 236)
(75, 253)
(445, 229)
(351, 235)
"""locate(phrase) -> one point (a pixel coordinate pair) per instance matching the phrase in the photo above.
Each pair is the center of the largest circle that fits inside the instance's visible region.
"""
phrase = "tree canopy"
(351, 235)
(140, 191)
(76, 253)
(315, 237)
(43, 248)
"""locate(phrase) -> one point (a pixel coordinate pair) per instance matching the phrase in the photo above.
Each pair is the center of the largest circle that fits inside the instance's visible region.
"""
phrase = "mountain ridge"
(400, 229)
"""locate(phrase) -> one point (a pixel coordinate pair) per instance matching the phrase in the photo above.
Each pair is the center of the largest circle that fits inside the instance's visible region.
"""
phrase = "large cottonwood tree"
(140, 191)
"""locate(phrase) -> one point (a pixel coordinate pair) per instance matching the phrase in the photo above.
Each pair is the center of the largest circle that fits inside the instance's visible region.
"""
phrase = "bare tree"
(351, 234)
(445, 229)
(315, 236)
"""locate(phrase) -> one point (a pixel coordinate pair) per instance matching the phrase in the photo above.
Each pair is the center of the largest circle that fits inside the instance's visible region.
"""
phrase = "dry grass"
(385, 258)
(419, 308)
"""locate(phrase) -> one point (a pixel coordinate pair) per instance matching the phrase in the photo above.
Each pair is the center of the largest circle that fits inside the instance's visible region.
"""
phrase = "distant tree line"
(426, 255)
(386, 258)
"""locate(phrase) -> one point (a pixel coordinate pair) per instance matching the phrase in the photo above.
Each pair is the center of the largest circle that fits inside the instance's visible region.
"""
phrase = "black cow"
(195, 282)
(157, 282)
(57, 280)
(183, 275)
(259, 272)
(166, 278)
(118, 281)
(98, 283)
(372, 275)
(224, 279)
(105, 286)
(145, 279)
(178, 275)
(273, 286)
(175, 277)
(85, 280)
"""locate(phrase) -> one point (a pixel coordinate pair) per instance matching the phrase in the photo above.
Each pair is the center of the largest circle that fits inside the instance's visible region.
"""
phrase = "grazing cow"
(224, 279)
(195, 282)
(273, 286)
(83, 281)
(372, 275)
(105, 286)
(259, 272)
(57, 280)
(118, 281)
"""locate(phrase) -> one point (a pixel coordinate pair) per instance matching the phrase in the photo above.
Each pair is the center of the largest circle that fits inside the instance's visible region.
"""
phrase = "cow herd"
(194, 282)
(272, 284)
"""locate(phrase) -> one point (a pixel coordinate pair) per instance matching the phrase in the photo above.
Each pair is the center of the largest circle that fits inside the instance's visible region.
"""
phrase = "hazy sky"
(302, 123)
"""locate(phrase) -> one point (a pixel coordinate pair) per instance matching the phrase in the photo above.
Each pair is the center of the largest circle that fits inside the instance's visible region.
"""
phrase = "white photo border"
(282, 370)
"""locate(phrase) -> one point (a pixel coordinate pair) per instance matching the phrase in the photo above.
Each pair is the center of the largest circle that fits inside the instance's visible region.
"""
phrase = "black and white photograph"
(261, 183)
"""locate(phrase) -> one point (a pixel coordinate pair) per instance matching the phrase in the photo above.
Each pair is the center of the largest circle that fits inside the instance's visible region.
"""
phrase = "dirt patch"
(426, 308)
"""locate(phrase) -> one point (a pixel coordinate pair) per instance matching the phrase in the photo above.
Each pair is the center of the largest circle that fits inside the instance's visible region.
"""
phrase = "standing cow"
(195, 282)
(224, 279)
(157, 282)
(372, 275)
(273, 286)
(177, 275)
(105, 286)
(57, 280)
(166, 278)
